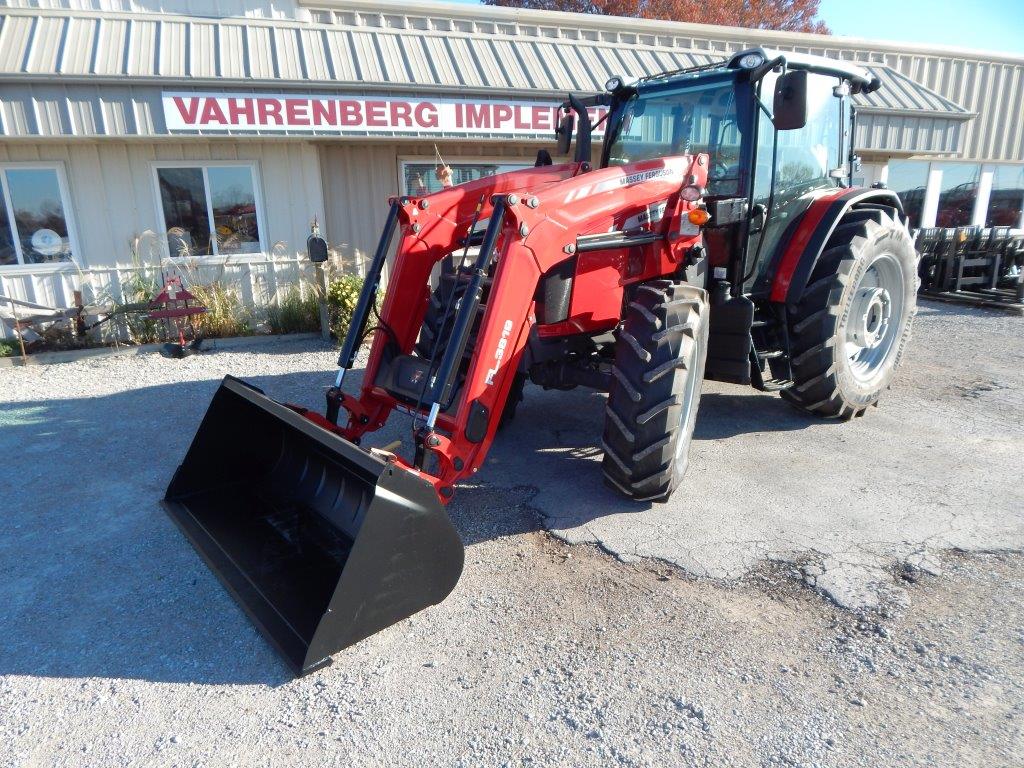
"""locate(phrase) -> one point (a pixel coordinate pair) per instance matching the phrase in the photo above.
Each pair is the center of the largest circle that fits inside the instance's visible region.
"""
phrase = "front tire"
(850, 328)
(655, 389)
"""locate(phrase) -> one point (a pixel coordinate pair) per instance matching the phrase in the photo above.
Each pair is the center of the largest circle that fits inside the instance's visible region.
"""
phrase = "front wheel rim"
(874, 321)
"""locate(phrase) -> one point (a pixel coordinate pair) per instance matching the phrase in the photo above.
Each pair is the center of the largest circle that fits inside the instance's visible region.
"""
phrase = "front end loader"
(718, 237)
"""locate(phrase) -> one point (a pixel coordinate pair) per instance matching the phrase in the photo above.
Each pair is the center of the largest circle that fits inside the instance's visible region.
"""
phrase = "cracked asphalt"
(816, 594)
(933, 468)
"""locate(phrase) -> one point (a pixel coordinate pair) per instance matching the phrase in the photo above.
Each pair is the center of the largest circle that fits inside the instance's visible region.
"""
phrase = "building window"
(909, 180)
(418, 177)
(33, 224)
(1007, 198)
(209, 210)
(957, 193)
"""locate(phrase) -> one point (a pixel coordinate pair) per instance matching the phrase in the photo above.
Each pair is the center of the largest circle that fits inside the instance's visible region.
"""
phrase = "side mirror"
(789, 111)
(566, 127)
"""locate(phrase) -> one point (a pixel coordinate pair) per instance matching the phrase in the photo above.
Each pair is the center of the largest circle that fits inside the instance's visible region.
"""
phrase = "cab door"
(809, 162)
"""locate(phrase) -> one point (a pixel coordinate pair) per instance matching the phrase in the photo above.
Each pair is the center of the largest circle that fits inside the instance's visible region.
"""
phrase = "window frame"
(203, 165)
(991, 168)
(77, 261)
(404, 160)
(666, 92)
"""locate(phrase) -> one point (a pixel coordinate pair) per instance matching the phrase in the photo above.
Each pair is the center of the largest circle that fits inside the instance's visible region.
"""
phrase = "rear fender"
(801, 252)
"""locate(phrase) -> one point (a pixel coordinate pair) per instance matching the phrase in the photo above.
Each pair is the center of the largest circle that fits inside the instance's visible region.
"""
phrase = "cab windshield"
(698, 118)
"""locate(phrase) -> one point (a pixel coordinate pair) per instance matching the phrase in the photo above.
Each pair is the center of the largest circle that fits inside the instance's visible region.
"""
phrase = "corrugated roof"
(901, 94)
(86, 73)
(89, 45)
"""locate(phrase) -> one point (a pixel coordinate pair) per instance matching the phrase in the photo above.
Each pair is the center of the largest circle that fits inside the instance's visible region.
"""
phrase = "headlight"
(691, 193)
(613, 84)
(752, 60)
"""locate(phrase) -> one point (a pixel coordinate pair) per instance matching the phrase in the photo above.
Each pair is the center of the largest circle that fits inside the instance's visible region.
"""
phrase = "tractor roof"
(860, 79)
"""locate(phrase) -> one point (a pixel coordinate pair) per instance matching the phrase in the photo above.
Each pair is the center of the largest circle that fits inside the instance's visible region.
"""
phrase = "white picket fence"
(258, 280)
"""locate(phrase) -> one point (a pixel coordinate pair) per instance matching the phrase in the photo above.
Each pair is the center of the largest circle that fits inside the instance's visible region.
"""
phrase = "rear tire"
(655, 389)
(849, 330)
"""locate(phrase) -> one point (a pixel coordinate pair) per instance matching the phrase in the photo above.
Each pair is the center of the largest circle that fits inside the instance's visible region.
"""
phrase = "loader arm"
(621, 225)
(430, 228)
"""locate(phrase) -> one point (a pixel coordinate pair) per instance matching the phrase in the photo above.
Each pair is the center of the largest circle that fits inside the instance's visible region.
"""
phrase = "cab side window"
(806, 157)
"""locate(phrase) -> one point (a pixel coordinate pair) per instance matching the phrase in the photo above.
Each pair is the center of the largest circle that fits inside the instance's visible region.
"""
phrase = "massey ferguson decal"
(360, 115)
(672, 170)
(652, 214)
(636, 178)
(499, 353)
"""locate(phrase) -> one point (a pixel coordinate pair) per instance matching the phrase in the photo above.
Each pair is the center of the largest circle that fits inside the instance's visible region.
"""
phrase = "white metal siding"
(358, 179)
(113, 195)
(113, 201)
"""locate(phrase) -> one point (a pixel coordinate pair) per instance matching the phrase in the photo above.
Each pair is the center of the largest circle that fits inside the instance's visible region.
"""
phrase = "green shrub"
(225, 314)
(138, 289)
(9, 349)
(342, 295)
(294, 313)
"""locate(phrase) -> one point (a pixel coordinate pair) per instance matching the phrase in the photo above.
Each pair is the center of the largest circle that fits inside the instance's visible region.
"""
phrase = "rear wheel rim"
(874, 321)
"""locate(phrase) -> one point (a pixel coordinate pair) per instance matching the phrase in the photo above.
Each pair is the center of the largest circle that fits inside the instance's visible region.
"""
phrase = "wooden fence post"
(321, 295)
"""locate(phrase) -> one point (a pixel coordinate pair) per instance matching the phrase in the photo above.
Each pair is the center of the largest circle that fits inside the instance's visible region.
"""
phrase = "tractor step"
(770, 369)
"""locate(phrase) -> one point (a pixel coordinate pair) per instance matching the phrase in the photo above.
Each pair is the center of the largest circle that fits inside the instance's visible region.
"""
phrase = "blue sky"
(988, 25)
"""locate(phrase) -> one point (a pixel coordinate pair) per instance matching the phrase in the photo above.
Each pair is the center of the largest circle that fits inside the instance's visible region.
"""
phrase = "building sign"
(360, 115)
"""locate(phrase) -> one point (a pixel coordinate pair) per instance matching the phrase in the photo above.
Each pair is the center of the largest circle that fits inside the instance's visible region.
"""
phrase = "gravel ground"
(119, 647)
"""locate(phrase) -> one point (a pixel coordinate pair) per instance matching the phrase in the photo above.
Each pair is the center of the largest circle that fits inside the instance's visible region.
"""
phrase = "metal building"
(131, 130)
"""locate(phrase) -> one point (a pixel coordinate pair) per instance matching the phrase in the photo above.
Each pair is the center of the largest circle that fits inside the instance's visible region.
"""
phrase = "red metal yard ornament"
(176, 307)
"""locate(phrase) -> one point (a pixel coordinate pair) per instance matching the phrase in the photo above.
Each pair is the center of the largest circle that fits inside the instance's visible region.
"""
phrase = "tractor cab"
(777, 128)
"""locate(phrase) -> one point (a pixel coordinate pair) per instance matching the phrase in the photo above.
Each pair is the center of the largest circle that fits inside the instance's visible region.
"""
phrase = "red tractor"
(718, 238)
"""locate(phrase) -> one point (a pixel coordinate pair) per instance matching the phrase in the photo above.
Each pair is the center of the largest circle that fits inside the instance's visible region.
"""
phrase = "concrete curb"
(209, 345)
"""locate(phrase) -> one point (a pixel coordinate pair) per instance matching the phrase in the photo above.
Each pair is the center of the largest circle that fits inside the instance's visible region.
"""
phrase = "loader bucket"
(321, 543)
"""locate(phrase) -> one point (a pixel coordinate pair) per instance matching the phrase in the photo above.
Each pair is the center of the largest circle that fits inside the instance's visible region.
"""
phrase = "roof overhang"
(81, 74)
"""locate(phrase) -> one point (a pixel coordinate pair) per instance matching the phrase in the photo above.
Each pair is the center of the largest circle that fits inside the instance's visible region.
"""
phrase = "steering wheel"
(718, 168)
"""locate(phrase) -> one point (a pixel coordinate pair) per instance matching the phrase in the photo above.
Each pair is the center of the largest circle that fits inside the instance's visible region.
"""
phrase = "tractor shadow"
(552, 451)
(724, 415)
(96, 581)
